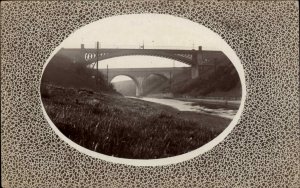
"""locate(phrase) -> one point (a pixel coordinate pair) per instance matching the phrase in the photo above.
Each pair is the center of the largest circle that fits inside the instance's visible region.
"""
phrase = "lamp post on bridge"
(97, 73)
(172, 76)
(107, 74)
(215, 66)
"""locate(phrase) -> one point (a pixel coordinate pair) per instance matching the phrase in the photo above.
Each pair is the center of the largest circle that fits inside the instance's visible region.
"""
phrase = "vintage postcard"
(150, 93)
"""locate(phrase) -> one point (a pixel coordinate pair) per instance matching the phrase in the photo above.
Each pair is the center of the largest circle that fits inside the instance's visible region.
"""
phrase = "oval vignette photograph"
(142, 86)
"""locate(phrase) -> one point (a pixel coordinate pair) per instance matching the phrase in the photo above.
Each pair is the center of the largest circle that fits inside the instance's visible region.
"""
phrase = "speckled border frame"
(261, 151)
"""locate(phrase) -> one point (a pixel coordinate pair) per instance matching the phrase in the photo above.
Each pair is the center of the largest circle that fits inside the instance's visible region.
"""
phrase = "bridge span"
(193, 58)
(196, 59)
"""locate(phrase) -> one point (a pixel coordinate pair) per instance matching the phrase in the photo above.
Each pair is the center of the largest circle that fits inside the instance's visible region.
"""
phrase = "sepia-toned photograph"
(141, 86)
(150, 93)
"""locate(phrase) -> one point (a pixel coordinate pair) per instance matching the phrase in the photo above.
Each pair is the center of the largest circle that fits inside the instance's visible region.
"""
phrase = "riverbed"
(188, 106)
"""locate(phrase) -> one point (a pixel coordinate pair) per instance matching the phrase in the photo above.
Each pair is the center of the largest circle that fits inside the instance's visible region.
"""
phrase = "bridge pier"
(195, 71)
(139, 86)
(197, 58)
(139, 91)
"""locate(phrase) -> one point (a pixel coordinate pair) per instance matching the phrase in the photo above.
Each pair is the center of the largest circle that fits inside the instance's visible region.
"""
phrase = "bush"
(45, 93)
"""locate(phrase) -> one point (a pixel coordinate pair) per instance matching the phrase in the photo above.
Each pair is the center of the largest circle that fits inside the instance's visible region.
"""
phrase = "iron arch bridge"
(196, 59)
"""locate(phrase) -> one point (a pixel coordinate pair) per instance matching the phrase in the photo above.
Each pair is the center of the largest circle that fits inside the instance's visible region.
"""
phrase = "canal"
(191, 106)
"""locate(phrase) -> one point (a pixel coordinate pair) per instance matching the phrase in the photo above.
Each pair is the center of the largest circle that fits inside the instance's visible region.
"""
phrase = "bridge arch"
(136, 80)
(185, 58)
(165, 76)
(162, 75)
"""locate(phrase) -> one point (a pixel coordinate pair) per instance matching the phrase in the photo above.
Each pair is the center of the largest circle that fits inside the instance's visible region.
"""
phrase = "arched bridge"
(139, 75)
(194, 58)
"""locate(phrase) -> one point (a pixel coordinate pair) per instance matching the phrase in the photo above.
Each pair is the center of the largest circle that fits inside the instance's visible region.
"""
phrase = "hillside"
(128, 128)
(224, 82)
(155, 84)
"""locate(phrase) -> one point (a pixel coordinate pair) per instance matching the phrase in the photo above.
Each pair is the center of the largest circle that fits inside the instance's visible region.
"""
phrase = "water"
(187, 106)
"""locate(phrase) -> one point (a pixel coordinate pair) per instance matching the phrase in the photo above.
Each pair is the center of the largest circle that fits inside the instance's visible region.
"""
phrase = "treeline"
(62, 71)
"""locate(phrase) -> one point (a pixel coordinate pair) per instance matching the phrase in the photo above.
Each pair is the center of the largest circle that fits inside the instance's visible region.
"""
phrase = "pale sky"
(152, 30)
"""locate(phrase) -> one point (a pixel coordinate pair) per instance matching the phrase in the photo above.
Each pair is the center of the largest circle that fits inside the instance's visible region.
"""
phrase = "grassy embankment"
(127, 128)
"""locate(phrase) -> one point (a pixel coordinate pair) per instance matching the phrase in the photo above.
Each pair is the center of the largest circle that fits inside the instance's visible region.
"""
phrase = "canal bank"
(225, 109)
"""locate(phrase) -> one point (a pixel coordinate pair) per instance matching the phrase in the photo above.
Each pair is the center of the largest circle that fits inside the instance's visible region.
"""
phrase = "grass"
(128, 128)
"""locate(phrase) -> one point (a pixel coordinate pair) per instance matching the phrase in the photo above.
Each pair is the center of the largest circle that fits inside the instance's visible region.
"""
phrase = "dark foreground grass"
(128, 128)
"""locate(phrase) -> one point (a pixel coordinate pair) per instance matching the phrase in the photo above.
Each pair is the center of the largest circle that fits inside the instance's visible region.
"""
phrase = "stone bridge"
(139, 75)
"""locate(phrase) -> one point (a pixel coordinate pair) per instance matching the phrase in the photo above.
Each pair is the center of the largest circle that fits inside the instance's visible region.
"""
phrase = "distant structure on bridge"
(196, 59)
